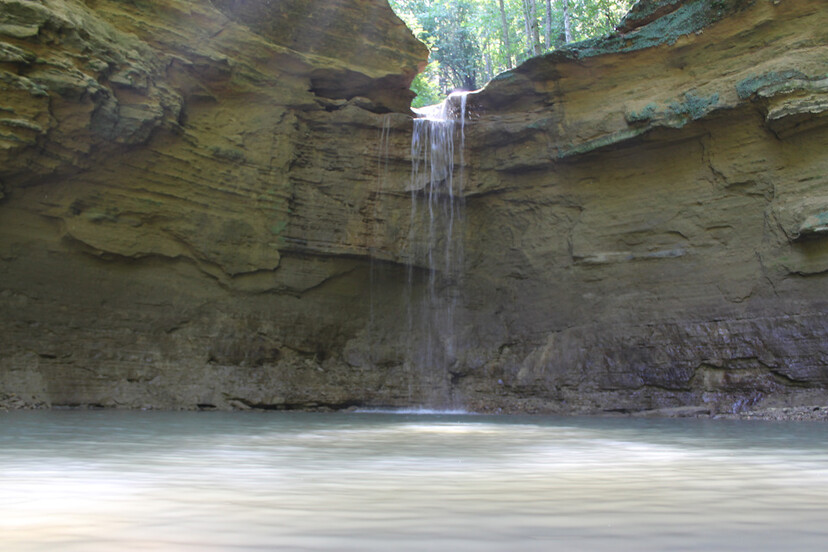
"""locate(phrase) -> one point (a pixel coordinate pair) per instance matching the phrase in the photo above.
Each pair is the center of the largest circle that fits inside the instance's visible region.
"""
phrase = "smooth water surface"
(109, 480)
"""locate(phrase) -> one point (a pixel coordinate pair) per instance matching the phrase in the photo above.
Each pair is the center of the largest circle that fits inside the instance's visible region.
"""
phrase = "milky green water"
(107, 480)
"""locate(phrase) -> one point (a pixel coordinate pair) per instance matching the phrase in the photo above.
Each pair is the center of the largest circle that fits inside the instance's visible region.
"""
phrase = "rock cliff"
(208, 205)
(183, 188)
(663, 191)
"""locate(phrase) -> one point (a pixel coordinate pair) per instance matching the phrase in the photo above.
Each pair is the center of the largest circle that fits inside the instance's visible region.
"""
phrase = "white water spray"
(436, 240)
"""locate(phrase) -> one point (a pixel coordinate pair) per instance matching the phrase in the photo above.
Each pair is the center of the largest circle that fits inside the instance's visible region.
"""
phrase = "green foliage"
(427, 92)
(447, 28)
(593, 18)
(468, 40)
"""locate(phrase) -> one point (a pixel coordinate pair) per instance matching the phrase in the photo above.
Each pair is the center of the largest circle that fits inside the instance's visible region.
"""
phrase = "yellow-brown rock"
(157, 165)
(661, 198)
(207, 204)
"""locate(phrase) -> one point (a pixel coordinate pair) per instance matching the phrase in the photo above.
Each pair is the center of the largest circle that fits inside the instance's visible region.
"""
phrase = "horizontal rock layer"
(204, 208)
(658, 209)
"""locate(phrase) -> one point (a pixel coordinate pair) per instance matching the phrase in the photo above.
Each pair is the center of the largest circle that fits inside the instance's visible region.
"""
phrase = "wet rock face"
(207, 205)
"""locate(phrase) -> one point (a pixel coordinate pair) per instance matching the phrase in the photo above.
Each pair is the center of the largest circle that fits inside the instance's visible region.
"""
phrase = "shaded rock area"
(203, 206)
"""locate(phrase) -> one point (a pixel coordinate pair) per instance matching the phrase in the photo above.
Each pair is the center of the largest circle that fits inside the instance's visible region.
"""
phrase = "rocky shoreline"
(816, 413)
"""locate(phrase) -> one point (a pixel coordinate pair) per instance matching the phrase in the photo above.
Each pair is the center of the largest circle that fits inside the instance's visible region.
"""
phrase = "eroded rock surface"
(664, 205)
(183, 194)
(203, 207)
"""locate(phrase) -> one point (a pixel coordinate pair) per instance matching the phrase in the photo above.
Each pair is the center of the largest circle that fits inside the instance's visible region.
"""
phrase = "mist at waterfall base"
(130, 480)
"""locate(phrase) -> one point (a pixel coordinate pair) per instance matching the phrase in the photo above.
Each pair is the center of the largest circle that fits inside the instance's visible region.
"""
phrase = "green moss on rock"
(646, 114)
(693, 107)
(751, 85)
(690, 17)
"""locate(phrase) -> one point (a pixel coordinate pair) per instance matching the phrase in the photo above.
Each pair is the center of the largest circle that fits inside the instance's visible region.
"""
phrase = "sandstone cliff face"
(206, 207)
(664, 203)
(181, 194)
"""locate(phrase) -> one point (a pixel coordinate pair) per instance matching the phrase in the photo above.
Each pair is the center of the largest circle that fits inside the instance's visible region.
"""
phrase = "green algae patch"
(753, 84)
(648, 113)
(780, 82)
(677, 113)
(693, 107)
(598, 143)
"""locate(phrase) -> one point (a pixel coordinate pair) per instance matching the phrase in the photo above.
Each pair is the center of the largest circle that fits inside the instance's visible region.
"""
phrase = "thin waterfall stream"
(436, 241)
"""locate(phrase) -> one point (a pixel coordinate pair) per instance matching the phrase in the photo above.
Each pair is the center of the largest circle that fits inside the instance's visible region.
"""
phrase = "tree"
(505, 30)
(448, 29)
(530, 12)
(567, 21)
(473, 40)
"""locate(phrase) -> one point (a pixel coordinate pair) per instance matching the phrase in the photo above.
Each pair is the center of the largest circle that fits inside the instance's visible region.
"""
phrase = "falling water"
(375, 241)
(436, 243)
(377, 218)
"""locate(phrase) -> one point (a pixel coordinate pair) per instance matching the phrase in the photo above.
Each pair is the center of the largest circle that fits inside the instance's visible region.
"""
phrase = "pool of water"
(111, 480)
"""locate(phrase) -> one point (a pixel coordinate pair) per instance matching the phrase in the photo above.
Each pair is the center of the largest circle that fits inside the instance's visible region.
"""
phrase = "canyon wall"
(209, 205)
(658, 202)
(185, 189)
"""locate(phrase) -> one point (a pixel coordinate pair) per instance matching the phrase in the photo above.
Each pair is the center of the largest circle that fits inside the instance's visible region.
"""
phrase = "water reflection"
(253, 481)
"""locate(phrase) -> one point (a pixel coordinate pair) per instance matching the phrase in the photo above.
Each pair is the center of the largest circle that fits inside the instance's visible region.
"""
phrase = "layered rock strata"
(665, 193)
(183, 192)
(204, 207)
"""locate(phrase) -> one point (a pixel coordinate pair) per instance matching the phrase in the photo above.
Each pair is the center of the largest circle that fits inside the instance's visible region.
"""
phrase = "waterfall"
(436, 242)
(377, 217)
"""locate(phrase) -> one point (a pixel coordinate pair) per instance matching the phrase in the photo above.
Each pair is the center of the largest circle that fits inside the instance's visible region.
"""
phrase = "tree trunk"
(567, 21)
(506, 43)
(530, 10)
(548, 24)
(526, 29)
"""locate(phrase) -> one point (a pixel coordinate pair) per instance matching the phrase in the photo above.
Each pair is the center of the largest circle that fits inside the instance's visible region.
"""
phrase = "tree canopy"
(471, 41)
